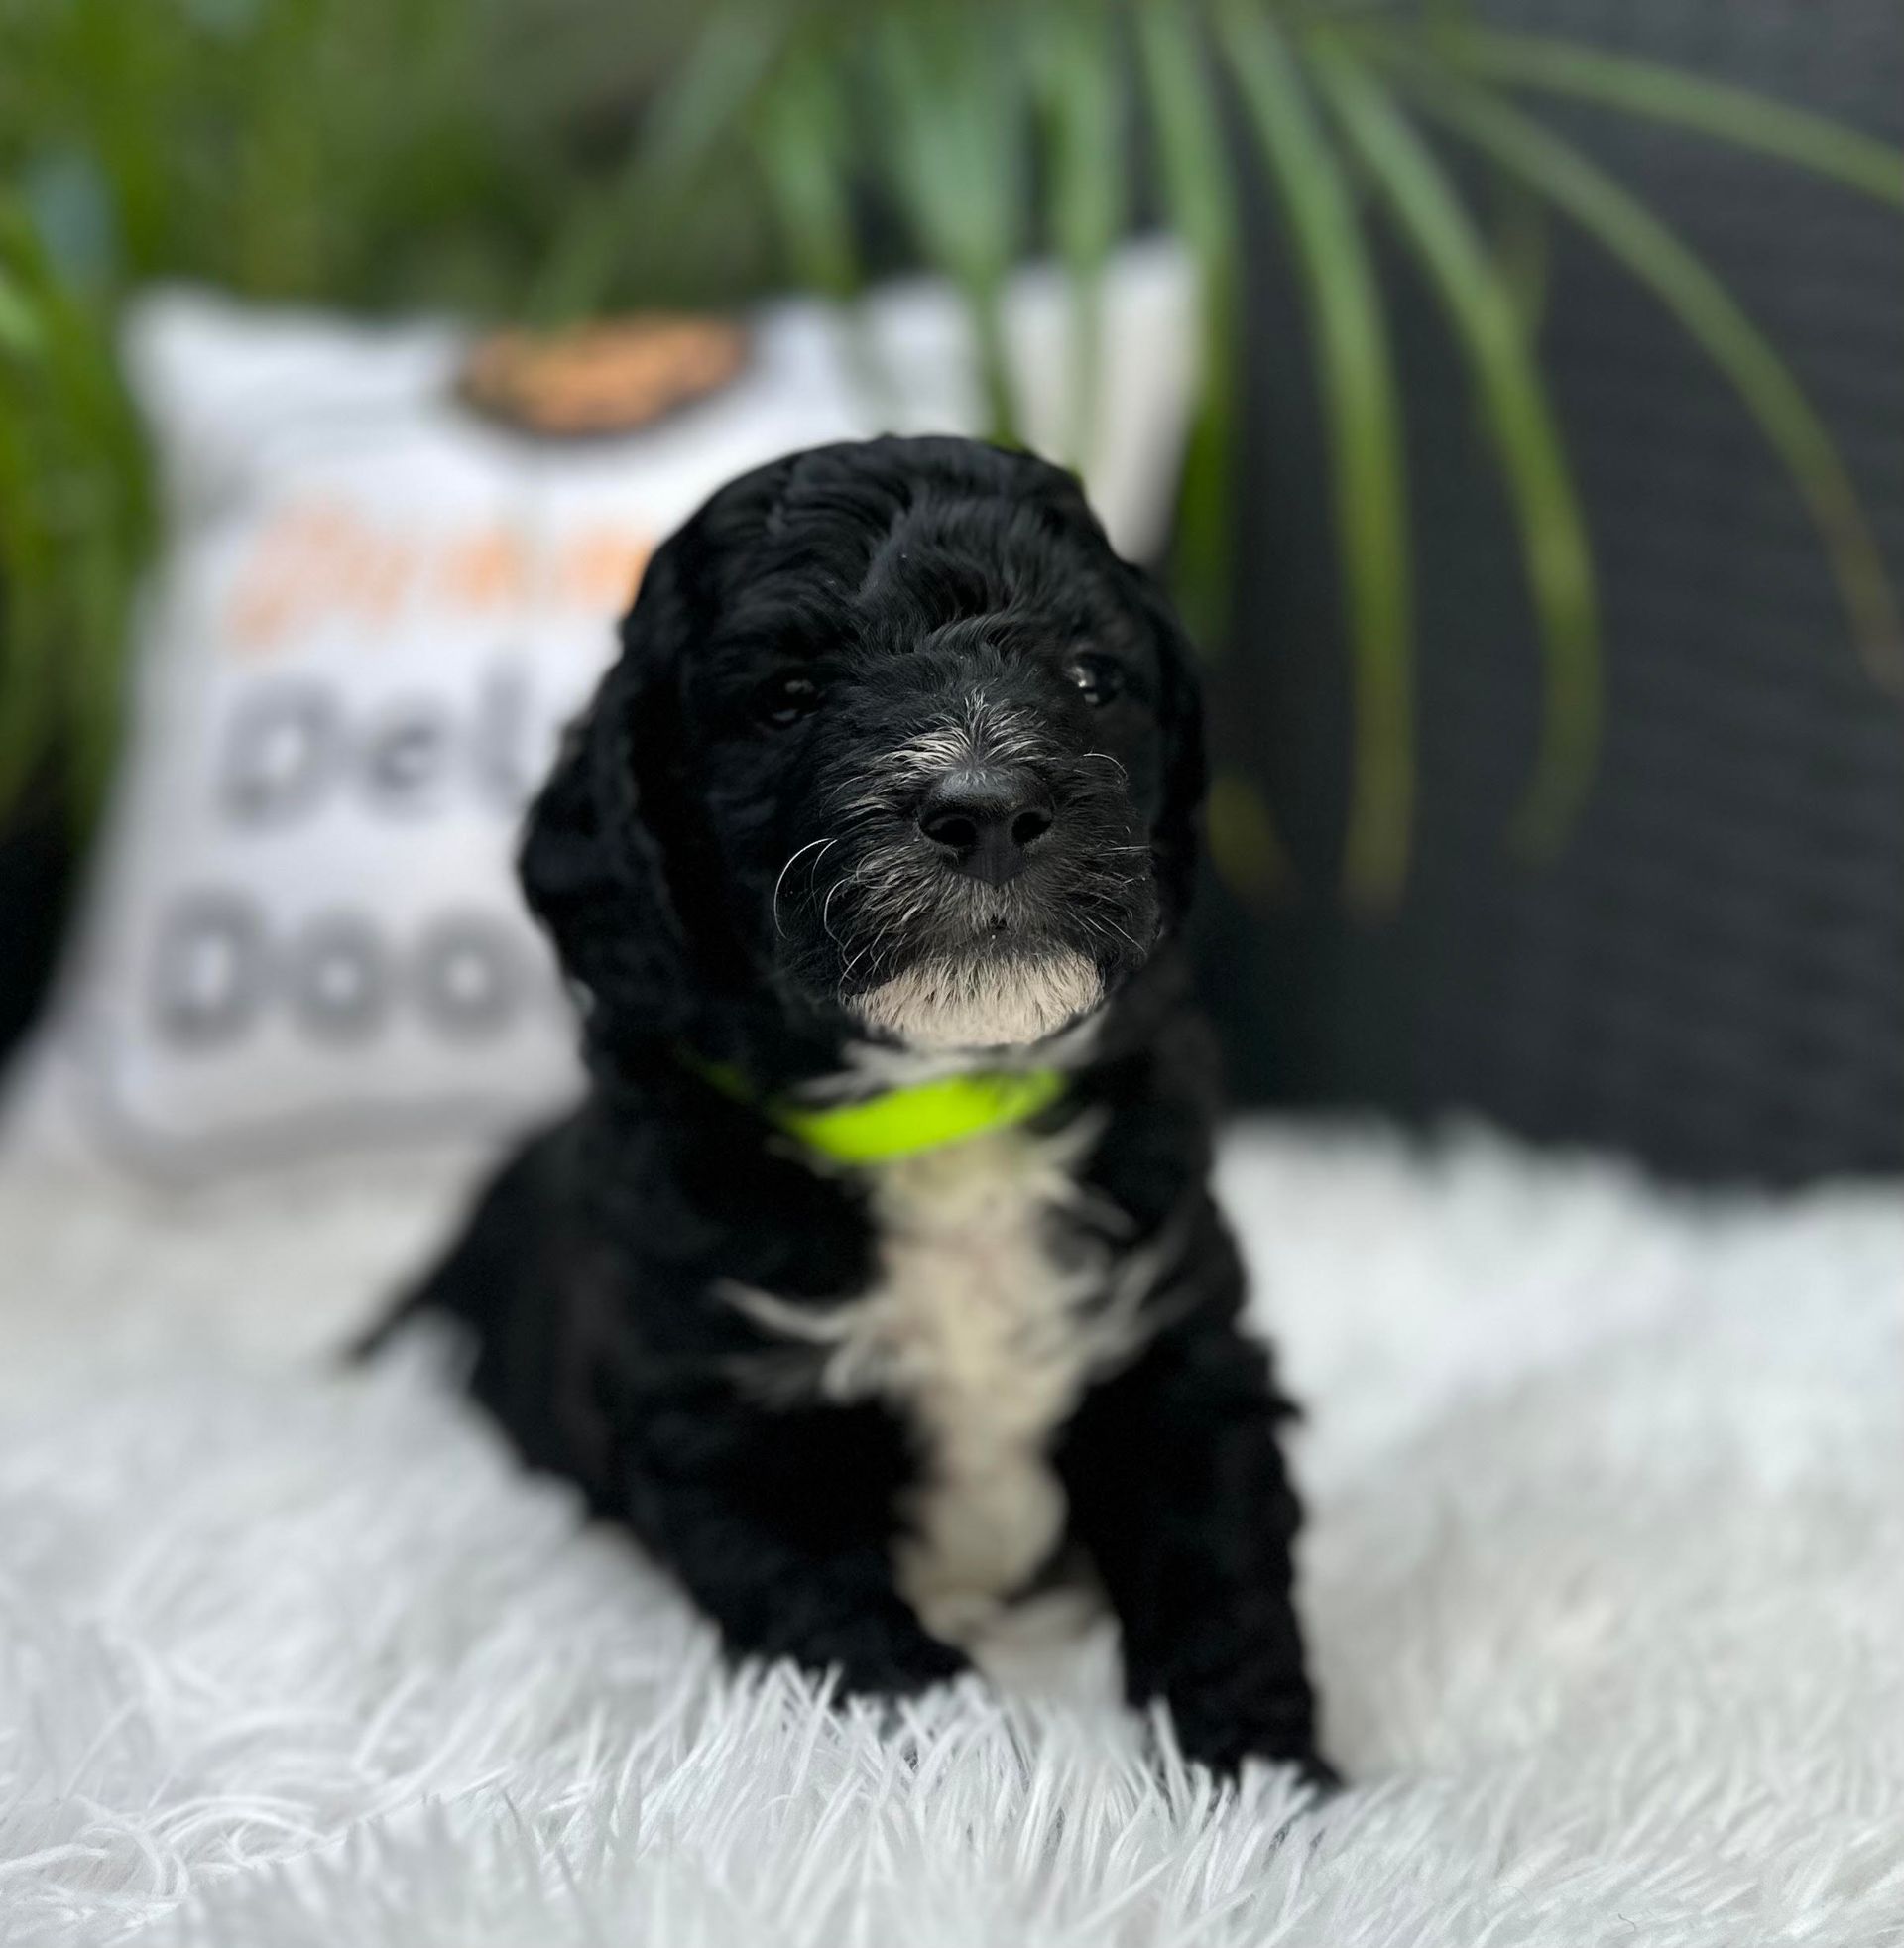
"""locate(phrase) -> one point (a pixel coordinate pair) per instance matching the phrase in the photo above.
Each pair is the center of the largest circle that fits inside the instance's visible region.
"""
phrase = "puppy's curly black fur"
(898, 758)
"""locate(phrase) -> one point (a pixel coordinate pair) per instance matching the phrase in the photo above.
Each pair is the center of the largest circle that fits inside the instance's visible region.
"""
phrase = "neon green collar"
(908, 1121)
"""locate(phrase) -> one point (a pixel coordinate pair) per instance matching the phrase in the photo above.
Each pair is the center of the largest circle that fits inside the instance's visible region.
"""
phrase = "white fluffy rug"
(1606, 1585)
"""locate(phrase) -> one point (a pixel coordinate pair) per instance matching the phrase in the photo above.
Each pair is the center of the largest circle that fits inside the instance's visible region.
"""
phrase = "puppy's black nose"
(984, 821)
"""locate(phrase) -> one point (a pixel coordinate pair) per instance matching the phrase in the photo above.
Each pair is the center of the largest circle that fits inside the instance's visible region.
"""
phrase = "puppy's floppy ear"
(591, 864)
(1176, 836)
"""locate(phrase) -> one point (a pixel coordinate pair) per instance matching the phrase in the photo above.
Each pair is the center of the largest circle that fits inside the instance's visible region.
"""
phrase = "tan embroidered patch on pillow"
(605, 378)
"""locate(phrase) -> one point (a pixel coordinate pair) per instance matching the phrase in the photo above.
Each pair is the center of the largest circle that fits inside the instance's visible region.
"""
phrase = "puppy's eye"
(781, 701)
(1097, 677)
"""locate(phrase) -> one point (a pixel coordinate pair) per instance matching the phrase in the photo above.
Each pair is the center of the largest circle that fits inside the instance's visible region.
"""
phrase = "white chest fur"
(977, 1329)
(980, 1325)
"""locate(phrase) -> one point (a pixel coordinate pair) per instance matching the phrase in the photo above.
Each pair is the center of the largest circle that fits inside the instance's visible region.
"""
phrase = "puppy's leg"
(778, 1523)
(1178, 1488)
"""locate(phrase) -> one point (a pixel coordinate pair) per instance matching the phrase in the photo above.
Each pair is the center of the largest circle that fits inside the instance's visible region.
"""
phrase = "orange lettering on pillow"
(600, 566)
(378, 574)
(289, 572)
(488, 569)
(324, 558)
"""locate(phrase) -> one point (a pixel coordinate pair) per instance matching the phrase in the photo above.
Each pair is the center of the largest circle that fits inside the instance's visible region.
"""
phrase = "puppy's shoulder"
(1155, 1097)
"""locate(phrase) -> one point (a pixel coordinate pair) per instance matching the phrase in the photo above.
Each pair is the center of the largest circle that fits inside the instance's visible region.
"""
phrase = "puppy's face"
(923, 750)
(942, 821)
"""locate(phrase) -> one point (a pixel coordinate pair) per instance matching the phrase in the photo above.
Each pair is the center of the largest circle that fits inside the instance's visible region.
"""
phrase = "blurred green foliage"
(547, 159)
(368, 154)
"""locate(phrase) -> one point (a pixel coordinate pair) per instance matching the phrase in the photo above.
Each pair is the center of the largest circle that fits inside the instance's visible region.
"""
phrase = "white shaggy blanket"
(1605, 1584)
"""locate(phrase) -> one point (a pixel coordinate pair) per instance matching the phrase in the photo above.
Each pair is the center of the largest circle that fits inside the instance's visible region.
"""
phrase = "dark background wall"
(1714, 974)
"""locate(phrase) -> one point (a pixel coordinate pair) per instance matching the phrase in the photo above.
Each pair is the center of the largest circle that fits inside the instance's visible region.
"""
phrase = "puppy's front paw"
(1224, 1726)
(897, 1665)
(1227, 1755)
(1318, 1775)
(879, 1650)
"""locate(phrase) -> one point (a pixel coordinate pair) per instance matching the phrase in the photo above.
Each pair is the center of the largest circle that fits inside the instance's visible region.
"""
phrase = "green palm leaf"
(1363, 427)
(806, 168)
(1246, 849)
(1077, 83)
(1669, 94)
(1713, 318)
(712, 95)
(1500, 356)
(27, 674)
(21, 335)
(796, 136)
(1201, 199)
(952, 135)
(73, 526)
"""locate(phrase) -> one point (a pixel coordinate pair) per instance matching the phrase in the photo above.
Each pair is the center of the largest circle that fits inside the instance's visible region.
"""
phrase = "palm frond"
(1200, 197)
(1479, 303)
(21, 333)
(807, 160)
(1521, 226)
(798, 136)
(26, 561)
(1690, 101)
(708, 101)
(1077, 77)
(1713, 318)
(953, 135)
(75, 523)
(1246, 849)
(1362, 420)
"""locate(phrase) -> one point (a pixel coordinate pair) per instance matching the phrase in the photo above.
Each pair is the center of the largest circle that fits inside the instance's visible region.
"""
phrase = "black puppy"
(880, 1269)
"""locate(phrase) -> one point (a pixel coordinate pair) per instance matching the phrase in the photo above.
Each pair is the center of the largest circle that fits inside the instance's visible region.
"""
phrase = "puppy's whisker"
(826, 909)
(792, 858)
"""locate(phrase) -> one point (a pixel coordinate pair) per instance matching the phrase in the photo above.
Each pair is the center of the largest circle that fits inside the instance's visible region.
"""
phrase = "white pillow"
(375, 612)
